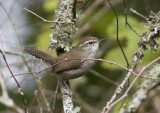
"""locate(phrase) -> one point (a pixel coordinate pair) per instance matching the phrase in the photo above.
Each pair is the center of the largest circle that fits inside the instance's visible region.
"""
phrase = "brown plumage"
(70, 69)
(41, 55)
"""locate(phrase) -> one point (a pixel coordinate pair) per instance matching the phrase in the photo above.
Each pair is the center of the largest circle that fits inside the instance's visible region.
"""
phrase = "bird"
(70, 69)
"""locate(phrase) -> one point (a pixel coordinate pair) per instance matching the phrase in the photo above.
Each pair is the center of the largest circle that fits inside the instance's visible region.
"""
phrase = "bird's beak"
(101, 39)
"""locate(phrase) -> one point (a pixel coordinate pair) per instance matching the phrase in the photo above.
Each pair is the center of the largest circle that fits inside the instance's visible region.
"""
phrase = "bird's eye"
(90, 42)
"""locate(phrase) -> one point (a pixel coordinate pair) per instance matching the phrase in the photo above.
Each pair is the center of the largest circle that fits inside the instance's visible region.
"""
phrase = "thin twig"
(131, 85)
(55, 97)
(43, 95)
(11, 53)
(38, 101)
(137, 13)
(56, 9)
(126, 19)
(13, 24)
(101, 60)
(117, 34)
(38, 84)
(39, 16)
(117, 91)
(19, 87)
(25, 62)
(104, 78)
(142, 91)
(110, 62)
(80, 100)
(47, 21)
(5, 99)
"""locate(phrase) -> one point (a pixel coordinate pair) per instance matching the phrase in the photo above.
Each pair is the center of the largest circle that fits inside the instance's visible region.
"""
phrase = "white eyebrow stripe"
(90, 41)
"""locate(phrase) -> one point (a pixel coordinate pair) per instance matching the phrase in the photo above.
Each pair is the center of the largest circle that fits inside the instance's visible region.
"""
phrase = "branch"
(61, 40)
(101, 60)
(142, 91)
(44, 20)
(118, 32)
(18, 85)
(55, 97)
(150, 39)
(5, 99)
(24, 60)
(38, 101)
(131, 85)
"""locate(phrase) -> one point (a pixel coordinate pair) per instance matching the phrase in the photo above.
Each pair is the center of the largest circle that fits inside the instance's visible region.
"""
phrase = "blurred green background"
(90, 91)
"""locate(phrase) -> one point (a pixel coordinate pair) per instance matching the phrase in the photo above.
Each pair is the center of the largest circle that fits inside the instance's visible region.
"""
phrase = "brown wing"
(70, 64)
(41, 55)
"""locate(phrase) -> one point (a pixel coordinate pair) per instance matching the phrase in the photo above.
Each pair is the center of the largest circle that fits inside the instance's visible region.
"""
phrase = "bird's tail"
(41, 55)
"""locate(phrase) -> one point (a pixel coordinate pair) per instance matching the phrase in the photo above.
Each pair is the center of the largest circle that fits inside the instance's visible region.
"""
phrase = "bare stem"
(18, 85)
(5, 99)
(101, 60)
(43, 18)
(55, 97)
(133, 82)
(117, 34)
(137, 13)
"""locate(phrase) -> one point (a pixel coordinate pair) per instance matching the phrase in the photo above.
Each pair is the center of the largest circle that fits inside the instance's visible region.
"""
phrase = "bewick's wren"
(71, 69)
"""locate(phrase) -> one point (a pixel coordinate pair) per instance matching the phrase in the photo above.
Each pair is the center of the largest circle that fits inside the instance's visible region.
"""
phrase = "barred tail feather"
(41, 55)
